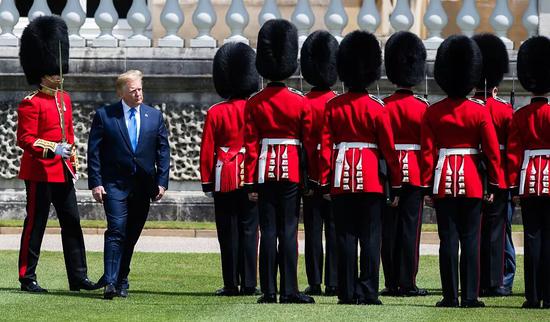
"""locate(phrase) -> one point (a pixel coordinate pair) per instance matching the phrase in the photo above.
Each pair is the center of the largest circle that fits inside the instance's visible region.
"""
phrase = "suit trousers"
(493, 237)
(279, 209)
(536, 229)
(357, 217)
(318, 213)
(459, 221)
(39, 197)
(125, 220)
(401, 228)
(237, 226)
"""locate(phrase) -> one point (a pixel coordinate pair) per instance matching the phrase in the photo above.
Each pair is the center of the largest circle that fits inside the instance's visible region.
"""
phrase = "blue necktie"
(132, 128)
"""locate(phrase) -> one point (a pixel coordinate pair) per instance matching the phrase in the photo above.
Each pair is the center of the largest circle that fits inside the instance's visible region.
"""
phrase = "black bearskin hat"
(458, 65)
(405, 59)
(495, 60)
(359, 59)
(234, 72)
(39, 52)
(277, 50)
(534, 65)
(318, 59)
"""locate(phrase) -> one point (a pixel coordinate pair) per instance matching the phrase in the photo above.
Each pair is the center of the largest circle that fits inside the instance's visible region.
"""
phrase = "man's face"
(132, 93)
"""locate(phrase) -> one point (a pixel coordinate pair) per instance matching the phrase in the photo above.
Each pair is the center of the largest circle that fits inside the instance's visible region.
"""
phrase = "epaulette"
(295, 91)
(374, 98)
(31, 95)
(475, 100)
(422, 98)
(500, 100)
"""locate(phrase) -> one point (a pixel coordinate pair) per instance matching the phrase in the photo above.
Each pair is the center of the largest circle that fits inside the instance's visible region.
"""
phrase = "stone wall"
(177, 82)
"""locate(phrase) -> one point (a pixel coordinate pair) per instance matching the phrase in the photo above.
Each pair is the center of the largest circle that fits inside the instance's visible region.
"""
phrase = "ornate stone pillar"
(402, 18)
(204, 19)
(171, 19)
(336, 18)
(9, 16)
(468, 18)
(138, 18)
(269, 11)
(435, 20)
(39, 8)
(106, 17)
(237, 19)
(74, 17)
(368, 17)
(501, 19)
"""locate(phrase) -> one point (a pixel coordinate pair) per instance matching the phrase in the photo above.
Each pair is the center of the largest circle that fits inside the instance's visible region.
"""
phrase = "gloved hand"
(64, 150)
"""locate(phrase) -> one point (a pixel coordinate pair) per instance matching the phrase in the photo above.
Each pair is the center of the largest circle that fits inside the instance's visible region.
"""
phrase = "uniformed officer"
(318, 62)
(452, 131)
(528, 167)
(495, 214)
(49, 162)
(405, 61)
(277, 122)
(222, 167)
(356, 135)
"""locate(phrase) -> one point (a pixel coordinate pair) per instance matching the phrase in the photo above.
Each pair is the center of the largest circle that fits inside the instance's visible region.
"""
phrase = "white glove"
(64, 150)
(209, 194)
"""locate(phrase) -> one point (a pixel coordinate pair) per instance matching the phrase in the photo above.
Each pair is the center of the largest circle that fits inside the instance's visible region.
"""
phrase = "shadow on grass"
(166, 293)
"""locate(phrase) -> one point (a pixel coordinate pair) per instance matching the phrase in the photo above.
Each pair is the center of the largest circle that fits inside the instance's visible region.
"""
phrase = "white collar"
(127, 108)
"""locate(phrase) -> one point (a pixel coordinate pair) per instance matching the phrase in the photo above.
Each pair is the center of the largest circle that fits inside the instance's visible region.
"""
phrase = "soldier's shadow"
(52, 292)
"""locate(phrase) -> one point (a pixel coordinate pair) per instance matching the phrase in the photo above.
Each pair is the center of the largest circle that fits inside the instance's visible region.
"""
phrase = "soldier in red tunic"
(222, 168)
(356, 135)
(528, 167)
(49, 162)
(495, 214)
(318, 62)
(278, 122)
(452, 132)
(405, 61)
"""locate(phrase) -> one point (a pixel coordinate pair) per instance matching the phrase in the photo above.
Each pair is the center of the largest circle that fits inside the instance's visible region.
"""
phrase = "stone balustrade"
(204, 19)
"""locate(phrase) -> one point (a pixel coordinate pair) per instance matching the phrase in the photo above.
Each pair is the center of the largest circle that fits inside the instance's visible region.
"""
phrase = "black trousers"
(40, 195)
(459, 220)
(536, 229)
(279, 209)
(237, 226)
(318, 213)
(493, 234)
(357, 218)
(401, 227)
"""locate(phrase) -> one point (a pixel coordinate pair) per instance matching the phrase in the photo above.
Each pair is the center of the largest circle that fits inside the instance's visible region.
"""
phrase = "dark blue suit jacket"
(111, 161)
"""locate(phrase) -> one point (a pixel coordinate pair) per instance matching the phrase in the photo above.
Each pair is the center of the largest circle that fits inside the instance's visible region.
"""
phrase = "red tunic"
(277, 121)
(530, 132)
(458, 124)
(222, 147)
(501, 113)
(405, 111)
(355, 119)
(38, 130)
(317, 100)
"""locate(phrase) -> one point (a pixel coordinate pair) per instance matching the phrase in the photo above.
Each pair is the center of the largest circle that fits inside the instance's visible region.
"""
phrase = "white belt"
(219, 166)
(263, 154)
(342, 148)
(443, 154)
(527, 155)
(407, 147)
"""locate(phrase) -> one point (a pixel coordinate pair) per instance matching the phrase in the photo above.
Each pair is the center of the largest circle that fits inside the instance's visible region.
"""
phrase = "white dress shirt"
(126, 109)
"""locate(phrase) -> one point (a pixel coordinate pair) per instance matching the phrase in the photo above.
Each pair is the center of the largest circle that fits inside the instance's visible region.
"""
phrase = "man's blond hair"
(122, 79)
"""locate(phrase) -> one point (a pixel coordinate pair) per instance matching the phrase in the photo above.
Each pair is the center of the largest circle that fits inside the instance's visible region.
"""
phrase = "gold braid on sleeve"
(46, 145)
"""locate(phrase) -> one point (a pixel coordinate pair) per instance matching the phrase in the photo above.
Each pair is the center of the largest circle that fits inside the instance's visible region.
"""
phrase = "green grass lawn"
(177, 225)
(179, 287)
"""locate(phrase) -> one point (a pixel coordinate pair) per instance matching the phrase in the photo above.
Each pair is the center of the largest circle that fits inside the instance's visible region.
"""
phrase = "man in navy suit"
(128, 167)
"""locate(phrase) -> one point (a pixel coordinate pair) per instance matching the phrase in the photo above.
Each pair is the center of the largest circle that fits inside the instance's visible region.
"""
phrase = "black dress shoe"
(495, 292)
(85, 284)
(250, 291)
(471, 303)
(369, 302)
(347, 302)
(447, 303)
(530, 305)
(313, 290)
(389, 292)
(267, 299)
(33, 287)
(546, 305)
(122, 292)
(331, 291)
(298, 298)
(110, 292)
(413, 292)
(225, 291)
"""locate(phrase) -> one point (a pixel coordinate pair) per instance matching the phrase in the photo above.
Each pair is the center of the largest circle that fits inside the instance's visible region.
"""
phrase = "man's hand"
(253, 196)
(98, 193)
(395, 202)
(490, 197)
(161, 193)
(429, 201)
(64, 150)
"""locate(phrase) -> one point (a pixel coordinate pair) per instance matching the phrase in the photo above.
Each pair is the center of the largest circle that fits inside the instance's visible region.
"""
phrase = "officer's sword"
(426, 85)
(513, 92)
(61, 108)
